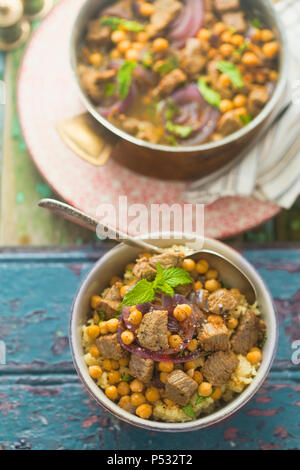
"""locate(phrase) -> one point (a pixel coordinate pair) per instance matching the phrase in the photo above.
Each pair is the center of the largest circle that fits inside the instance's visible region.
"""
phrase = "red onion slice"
(188, 23)
(119, 106)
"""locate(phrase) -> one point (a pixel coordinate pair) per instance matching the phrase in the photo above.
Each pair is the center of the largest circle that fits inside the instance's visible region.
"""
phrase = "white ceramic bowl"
(113, 263)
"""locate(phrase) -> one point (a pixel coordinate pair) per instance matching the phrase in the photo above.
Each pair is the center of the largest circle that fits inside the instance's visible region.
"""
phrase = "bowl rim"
(259, 119)
(202, 422)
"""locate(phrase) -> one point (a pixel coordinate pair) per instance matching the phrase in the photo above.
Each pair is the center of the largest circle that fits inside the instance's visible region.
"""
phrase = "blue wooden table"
(42, 403)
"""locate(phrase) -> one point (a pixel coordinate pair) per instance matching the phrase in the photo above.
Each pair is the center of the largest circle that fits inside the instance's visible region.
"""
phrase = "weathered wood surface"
(42, 404)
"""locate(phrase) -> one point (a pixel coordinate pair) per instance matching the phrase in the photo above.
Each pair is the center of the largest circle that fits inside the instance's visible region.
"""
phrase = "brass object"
(37, 9)
(14, 30)
(87, 138)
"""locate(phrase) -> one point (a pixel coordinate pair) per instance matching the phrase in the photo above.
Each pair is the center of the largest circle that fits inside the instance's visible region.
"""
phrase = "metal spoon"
(230, 274)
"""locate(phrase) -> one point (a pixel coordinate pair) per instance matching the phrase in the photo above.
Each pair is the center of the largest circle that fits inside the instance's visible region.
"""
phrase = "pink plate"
(47, 94)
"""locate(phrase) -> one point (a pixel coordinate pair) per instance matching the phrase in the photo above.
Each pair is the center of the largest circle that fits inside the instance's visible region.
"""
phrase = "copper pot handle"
(87, 138)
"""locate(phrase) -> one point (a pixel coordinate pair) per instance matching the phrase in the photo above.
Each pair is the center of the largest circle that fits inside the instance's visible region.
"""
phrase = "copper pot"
(183, 163)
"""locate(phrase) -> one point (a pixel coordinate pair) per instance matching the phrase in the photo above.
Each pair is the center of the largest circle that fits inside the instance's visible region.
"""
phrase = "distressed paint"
(42, 404)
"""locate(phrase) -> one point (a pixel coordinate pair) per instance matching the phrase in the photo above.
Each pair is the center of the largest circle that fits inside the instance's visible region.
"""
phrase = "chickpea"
(111, 392)
(219, 28)
(248, 78)
(114, 364)
(146, 9)
(123, 46)
(188, 264)
(270, 49)
(103, 328)
(226, 105)
(226, 36)
(144, 411)
(107, 364)
(136, 386)
(135, 317)
(138, 46)
(125, 402)
(95, 372)
(152, 394)
(93, 331)
(224, 80)
(181, 312)
(94, 351)
(226, 49)
(95, 301)
(273, 75)
(145, 255)
(237, 40)
(142, 36)
(190, 365)
(137, 399)
(124, 290)
(114, 279)
(163, 377)
(198, 377)
(118, 36)
(95, 59)
(112, 325)
(175, 341)
(212, 274)
(193, 345)
(232, 323)
(114, 377)
(215, 319)
(211, 285)
(205, 389)
(249, 58)
(115, 54)
(241, 111)
(217, 393)
(239, 100)
(266, 35)
(203, 34)
(165, 366)
(260, 77)
(132, 54)
(96, 318)
(160, 44)
(202, 266)
(129, 267)
(123, 389)
(256, 36)
(198, 285)
(254, 357)
(211, 53)
(124, 362)
(127, 337)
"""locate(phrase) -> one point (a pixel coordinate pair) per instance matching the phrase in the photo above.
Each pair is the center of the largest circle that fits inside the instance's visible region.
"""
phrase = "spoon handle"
(89, 222)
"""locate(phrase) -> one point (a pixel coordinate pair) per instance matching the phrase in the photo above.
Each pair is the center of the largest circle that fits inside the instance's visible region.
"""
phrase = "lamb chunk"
(258, 97)
(219, 366)
(214, 337)
(229, 123)
(200, 298)
(153, 330)
(114, 292)
(184, 289)
(109, 308)
(193, 58)
(180, 387)
(141, 129)
(141, 368)
(98, 34)
(209, 19)
(247, 334)
(221, 301)
(122, 9)
(236, 20)
(225, 5)
(89, 81)
(110, 347)
(164, 12)
(170, 82)
(145, 268)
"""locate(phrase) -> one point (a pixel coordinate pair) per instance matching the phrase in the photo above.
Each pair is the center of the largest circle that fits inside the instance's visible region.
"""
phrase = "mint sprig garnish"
(165, 281)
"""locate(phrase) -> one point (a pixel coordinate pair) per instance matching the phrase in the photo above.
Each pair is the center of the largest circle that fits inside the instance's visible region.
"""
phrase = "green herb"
(232, 29)
(168, 65)
(172, 141)
(114, 22)
(189, 410)
(243, 47)
(126, 378)
(101, 316)
(232, 72)
(180, 131)
(144, 291)
(172, 109)
(210, 95)
(147, 59)
(256, 23)
(202, 399)
(110, 89)
(263, 341)
(124, 77)
(245, 119)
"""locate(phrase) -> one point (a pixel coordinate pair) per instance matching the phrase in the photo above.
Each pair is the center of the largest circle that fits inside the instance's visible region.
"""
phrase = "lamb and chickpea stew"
(168, 342)
(178, 72)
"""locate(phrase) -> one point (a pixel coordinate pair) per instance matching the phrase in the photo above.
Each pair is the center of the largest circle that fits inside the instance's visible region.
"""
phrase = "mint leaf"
(124, 77)
(202, 399)
(180, 131)
(189, 410)
(256, 23)
(159, 282)
(171, 109)
(245, 119)
(114, 22)
(126, 378)
(141, 293)
(147, 60)
(232, 72)
(164, 287)
(263, 341)
(168, 65)
(176, 277)
(110, 89)
(210, 95)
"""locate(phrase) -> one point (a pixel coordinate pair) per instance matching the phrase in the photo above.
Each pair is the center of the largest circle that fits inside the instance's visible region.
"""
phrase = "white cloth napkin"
(270, 170)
